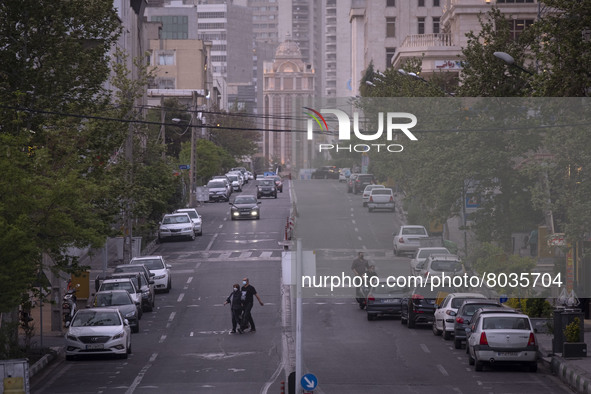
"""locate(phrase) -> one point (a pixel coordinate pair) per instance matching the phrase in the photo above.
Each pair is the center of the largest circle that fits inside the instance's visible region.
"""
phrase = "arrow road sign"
(309, 381)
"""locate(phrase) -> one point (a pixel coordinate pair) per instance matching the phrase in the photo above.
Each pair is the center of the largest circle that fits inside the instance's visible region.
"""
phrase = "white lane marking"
(359, 238)
(180, 297)
(221, 225)
(425, 348)
(141, 374)
(162, 338)
(442, 370)
(356, 230)
(211, 242)
(191, 334)
(190, 279)
(172, 314)
(353, 221)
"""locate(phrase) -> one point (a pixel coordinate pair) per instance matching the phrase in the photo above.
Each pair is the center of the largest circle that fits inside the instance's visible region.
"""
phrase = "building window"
(421, 25)
(390, 3)
(518, 26)
(436, 25)
(391, 27)
(165, 59)
(173, 27)
(165, 83)
(389, 56)
(436, 3)
(421, 3)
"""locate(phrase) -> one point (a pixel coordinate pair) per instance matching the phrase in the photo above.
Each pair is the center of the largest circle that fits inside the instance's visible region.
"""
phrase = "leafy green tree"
(234, 131)
(212, 160)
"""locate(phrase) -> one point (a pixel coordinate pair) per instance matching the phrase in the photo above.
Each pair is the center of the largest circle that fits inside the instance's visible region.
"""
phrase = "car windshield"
(112, 299)
(216, 185)
(153, 264)
(423, 254)
(245, 200)
(233, 178)
(468, 310)
(413, 231)
(175, 219)
(267, 183)
(457, 302)
(505, 323)
(381, 191)
(118, 286)
(90, 319)
(192, 214)
(446, 266)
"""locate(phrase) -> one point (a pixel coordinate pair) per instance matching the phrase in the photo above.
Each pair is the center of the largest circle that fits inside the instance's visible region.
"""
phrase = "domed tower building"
(285, 80)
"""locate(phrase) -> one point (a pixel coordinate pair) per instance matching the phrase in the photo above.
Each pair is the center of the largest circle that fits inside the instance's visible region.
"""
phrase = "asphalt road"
(184, 346)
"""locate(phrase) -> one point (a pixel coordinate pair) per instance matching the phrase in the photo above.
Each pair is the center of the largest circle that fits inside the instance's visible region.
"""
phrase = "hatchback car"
(367, 191)
(121, 300)
(464, 315)
(344, 174)
(245, 206)
(407, 239)
(195, 218)
(502, 338)
(384, 300)
(157, 267)
(124, 284)
(266, 188)
(446, 312)
(236, 182)
(416, 264)
(361, 181)
(176, 225)
(326, 172)
(98, 331)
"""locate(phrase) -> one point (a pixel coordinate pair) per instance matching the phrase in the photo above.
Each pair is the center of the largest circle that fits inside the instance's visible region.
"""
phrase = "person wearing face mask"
(247, 297)
(234, 299)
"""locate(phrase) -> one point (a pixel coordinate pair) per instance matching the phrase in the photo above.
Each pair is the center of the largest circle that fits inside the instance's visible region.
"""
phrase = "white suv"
(195, 218)
(445, 314)
(156, 266)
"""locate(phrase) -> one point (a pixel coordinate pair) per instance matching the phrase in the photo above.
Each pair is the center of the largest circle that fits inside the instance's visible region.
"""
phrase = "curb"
(574, 377)
(45, 360)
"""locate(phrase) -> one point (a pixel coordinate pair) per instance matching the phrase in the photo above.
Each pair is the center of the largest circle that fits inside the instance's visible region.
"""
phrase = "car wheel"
(396, 253)
(70, 358)
(232, 218)
(258, 196)
(370, 209)
(458, 343)
(435, 330)
(200, 233)
(192, 237)
(258, 217)
(129, 348)
(533, 367)
(446, 334)
(275, 196)
(169, 286)
(370, 317)
(136, 329)
(402, 320)
(470, 359)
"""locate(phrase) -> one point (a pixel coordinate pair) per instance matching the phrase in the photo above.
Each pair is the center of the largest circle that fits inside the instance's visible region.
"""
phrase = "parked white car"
(367, 191)
(438, 264)
(156, 266)
(445, 314)
(98, 331)
(416, 264)
(381, 198)
(407, 239)
(499, 337)
(195, 218)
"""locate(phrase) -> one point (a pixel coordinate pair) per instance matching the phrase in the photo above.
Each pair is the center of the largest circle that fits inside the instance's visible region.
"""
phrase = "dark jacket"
(234, 299)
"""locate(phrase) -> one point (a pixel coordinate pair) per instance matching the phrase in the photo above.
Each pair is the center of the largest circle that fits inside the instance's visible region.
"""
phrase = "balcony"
(427, 40)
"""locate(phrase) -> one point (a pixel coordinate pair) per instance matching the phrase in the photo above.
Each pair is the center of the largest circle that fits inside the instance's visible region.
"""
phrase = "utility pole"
(193, 164)
(162, 127)
(127, 220)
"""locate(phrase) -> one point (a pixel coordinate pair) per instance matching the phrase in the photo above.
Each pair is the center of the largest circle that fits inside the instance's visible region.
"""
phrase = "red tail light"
(532, 339)
(391, 199)
(401, 240)
(483, 340)
(417, 297)
(371, 298)
(460, 320)
(370, 199)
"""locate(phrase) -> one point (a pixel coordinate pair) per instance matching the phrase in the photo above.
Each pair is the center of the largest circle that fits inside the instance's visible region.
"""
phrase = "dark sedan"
(419, 308)
(121, 300)
(384, 300)
(326, 172)
(245, 206)
(464, 315)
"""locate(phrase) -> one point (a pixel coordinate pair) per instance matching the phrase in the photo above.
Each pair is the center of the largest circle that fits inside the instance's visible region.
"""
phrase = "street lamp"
(417, 76)
(504, 56)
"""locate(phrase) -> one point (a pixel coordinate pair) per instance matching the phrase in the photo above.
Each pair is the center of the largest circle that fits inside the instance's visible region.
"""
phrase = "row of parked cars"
(114, 311)
(491, 332)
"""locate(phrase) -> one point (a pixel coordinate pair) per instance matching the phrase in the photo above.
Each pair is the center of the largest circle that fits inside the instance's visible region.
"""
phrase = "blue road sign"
(184, 166)
(309, 381)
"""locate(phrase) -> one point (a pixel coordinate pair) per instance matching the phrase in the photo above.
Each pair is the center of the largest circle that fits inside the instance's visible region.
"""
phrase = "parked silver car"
(195, 218)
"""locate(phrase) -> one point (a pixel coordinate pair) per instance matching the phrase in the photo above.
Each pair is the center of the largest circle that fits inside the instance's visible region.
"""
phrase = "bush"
(572, 332)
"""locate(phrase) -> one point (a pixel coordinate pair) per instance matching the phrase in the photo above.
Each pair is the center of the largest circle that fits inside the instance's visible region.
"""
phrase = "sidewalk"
(576, 373)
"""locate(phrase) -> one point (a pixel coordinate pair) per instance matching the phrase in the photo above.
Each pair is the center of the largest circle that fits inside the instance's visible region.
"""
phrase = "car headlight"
(130, 314)
(235, 213)
(188, 229)
(160, 277)
(120, 335)
(254, 212)
(72, 337)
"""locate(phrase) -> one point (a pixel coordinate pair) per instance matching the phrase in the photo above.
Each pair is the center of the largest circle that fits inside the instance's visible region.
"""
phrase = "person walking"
(360, 267)
(234, 299)
(248, 292)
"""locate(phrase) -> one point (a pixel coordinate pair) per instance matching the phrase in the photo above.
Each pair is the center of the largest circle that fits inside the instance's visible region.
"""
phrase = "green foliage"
(572, 332)
(533, 307)
(211, 160)
(228, 135)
